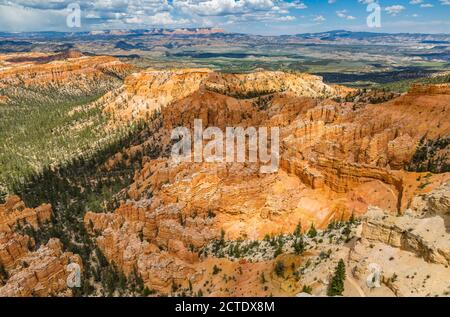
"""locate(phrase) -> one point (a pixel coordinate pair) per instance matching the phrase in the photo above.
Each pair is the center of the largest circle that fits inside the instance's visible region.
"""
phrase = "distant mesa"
(181, 31)
(46, 58)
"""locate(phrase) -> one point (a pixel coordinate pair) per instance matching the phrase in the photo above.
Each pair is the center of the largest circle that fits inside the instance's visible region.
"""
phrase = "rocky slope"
(43, 114)
(336, 160)
(70, 73)
(226, 228)
(150, 90)
(28, 269)
(412, 250)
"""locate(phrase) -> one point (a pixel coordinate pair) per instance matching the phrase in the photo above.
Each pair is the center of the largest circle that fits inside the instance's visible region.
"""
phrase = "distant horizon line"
(220, 31)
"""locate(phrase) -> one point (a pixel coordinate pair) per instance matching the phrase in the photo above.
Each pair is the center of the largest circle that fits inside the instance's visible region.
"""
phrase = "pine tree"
(336, 286)
(298, 230)
(312, 231)
(299, 246)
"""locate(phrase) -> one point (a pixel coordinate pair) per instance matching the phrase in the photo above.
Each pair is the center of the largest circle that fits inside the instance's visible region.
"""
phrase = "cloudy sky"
(246, 16)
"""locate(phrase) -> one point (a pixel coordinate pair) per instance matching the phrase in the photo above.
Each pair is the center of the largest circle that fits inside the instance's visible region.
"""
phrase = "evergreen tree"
(336, 286)
(298, 230)
(299, 246)
(312, 231)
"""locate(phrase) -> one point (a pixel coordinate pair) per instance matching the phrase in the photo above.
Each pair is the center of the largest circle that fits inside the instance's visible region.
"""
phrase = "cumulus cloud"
(343, 14)
(92, 11)
(235, 11)
(394, 9)
(294, 5)
(117, 13)
(50, 14)
(222, 7)
(38, 4)
(164, 18)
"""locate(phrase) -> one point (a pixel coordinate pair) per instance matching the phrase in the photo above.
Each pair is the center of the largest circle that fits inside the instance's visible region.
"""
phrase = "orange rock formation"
(335, 160)
(31, 271)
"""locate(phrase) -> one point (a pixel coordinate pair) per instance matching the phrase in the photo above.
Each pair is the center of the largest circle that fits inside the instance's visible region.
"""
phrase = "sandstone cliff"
(14, 212)
(150, 90)
(27, 270)
(70, 73)
(412, 251)
(336, 160)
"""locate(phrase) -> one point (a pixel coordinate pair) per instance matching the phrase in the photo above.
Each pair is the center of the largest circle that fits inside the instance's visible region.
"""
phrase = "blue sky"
(268, 17)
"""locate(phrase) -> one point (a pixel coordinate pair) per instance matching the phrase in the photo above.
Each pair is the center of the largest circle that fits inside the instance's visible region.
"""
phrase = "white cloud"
(343, 14)
(319, 18)
(294, 5)
(240, 10)
(259, 17)
(416, 1)
(366, 1)
(117, 13)
(426, 5)
(19, 19)
(38, 4)
(445, 2)
(394, 9)
(165, 18)
(222, 7)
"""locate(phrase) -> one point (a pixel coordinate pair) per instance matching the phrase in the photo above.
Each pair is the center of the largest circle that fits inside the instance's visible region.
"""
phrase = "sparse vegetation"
(431, 155)
(272, 247)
